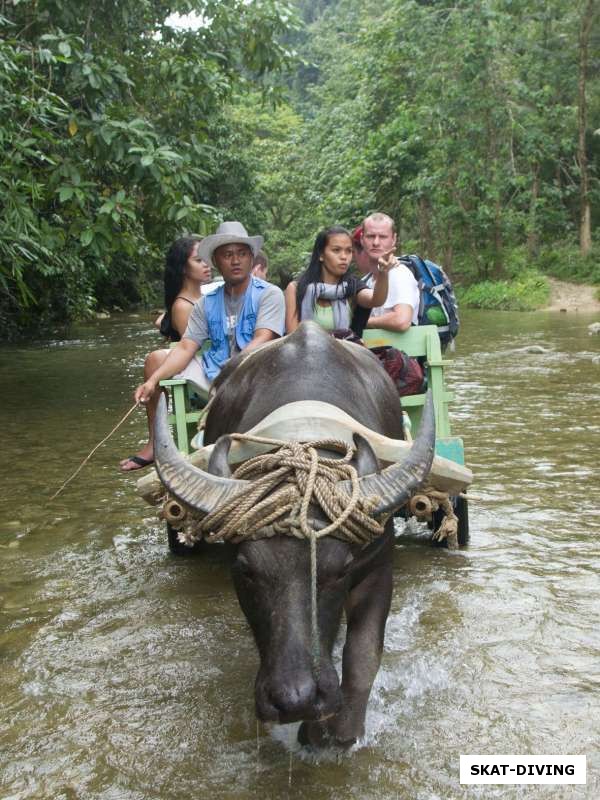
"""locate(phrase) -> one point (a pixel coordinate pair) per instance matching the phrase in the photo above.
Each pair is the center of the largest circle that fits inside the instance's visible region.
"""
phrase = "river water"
(127, 674)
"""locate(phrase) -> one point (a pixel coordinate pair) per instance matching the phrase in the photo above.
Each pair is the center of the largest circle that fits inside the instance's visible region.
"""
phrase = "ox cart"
(449, 473)
(305, 463)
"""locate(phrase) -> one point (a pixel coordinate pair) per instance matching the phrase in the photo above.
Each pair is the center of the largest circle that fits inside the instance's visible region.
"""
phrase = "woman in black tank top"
(185, 273)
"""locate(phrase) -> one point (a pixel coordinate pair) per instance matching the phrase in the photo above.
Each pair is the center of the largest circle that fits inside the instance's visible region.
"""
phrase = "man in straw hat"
(240, 314)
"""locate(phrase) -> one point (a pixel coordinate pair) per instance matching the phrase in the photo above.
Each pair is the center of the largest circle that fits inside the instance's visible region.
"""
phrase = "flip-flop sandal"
(141, 463)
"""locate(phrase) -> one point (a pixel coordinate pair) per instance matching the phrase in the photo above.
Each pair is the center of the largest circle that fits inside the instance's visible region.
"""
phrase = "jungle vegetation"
(474, 123)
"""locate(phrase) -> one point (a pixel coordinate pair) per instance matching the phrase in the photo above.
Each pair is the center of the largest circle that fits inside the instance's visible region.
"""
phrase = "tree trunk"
(447, 255)
(532, 234)
(495, 182)
(425, 236)
(498, 241)
(585, 228)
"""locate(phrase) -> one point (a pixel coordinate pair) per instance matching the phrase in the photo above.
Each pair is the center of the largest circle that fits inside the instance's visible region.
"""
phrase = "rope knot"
(293, 490)
(425, 503)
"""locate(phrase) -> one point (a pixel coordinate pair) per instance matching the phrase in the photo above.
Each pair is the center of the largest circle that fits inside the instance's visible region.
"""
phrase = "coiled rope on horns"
(282, 485)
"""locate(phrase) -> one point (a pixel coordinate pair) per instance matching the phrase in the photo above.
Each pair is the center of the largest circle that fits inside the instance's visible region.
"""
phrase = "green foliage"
(119, 133)
(107, 118)
(526, 292)
(282, 195)
(460, 121)
(564, 261)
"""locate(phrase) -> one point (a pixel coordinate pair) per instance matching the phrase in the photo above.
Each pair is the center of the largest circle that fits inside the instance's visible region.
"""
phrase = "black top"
(166, 326)
(361, 315)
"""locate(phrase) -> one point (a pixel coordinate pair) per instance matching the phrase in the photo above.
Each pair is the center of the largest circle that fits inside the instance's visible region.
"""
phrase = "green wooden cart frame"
(419, 341)
(424, 342)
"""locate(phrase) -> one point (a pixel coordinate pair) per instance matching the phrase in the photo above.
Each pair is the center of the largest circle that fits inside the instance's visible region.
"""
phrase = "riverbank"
(565, 296)
(530, 291)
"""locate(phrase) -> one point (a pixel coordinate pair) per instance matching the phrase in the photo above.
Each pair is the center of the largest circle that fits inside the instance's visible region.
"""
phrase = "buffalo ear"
(218, 463)
(366, 460)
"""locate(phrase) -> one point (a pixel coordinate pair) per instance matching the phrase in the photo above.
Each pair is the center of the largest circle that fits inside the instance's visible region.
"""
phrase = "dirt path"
(572, 297)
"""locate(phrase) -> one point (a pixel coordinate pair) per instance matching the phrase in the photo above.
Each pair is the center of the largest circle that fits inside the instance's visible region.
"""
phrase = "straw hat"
(228, 233)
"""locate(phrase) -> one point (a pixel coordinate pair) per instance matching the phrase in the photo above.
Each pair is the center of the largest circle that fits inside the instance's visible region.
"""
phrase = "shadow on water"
(128, 674)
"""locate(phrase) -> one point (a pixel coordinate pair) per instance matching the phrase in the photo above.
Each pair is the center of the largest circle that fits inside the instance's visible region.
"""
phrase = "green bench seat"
(423, 342)
(419, 341)
(186, 410)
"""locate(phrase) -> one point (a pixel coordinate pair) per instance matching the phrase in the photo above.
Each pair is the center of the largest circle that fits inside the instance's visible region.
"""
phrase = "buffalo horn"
(395, 484)
(365, 458)
(194, 487)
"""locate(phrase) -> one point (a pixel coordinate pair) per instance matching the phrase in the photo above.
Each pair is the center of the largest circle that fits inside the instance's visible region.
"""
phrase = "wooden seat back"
(423, 341)
(418, 341)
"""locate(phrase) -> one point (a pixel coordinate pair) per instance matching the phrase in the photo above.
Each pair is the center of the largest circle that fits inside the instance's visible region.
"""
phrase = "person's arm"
(375, 297)
(291, 310)
(158, 320)
(177, 360)
(261, 336)
(180, 314)
(398, 310)
(398, 318)
(270, 317)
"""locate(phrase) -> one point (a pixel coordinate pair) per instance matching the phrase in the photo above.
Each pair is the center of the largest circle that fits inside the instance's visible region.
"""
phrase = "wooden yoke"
(309, 420)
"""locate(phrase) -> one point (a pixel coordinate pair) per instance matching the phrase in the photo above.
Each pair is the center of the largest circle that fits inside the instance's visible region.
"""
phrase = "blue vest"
(216, 320)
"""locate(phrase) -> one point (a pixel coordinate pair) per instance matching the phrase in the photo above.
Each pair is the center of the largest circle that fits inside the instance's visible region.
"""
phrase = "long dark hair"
(312, 274)
(176, 260)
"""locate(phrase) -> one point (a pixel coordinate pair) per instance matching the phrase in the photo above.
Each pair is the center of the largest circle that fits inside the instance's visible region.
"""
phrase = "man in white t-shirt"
(375, 239)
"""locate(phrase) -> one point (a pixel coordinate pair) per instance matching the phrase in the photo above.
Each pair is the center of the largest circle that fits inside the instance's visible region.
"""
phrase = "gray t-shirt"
(270, 315)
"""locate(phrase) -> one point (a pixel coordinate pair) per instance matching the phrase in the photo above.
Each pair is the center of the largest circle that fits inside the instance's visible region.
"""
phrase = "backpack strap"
(412, 262)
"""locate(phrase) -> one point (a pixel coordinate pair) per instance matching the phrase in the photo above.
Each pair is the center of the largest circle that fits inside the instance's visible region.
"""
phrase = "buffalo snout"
(294, 694)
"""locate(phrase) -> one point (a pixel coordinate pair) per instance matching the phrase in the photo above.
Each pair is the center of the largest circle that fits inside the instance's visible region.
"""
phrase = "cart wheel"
(461, 509)
(176, 547)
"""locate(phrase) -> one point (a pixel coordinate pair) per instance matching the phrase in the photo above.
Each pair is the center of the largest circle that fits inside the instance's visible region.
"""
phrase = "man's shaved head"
(379, 217)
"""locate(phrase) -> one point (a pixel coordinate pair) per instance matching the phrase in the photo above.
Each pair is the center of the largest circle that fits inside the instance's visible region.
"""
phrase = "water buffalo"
(272, 576)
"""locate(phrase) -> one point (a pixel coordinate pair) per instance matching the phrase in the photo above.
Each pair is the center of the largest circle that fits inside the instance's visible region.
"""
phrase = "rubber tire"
(461, 509)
